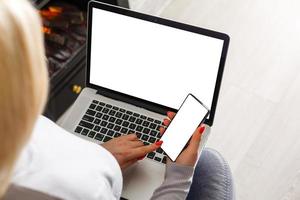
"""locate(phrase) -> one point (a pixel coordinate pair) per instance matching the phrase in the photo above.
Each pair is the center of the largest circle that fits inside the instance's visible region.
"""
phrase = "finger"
(162, 130)
(130, 137)
(166, 122)
(136, 143)
(171, 115)
(196, 138)
(142, 151)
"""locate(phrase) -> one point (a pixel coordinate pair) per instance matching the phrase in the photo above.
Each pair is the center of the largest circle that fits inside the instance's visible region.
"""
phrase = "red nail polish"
(202, 128)
(158, 143)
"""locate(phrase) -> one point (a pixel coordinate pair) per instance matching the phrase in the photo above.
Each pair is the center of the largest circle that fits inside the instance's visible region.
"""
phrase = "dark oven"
(64, 28)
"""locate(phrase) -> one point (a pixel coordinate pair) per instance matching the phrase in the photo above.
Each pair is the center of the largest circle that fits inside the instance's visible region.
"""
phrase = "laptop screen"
(151, 61)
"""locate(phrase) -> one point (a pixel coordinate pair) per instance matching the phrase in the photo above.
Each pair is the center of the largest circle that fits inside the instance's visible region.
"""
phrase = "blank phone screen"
(182, 127)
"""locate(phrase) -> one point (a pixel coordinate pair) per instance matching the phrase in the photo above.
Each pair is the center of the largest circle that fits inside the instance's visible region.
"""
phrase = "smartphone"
(190, 115)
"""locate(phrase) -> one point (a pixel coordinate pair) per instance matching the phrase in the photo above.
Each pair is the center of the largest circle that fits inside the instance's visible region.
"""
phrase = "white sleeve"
(63, 165)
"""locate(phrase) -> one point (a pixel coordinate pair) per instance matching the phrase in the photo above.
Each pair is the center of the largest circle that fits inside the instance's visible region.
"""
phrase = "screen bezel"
(152, 106)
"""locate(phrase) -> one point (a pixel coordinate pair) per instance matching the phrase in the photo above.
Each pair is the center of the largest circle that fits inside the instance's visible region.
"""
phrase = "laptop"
(138, 68)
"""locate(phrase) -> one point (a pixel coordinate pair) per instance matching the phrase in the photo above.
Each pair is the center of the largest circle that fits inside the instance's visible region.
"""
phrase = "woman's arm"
(176, 185)
(178, 177)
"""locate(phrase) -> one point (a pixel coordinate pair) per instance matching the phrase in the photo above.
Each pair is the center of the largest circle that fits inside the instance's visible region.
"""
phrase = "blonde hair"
(23, 80)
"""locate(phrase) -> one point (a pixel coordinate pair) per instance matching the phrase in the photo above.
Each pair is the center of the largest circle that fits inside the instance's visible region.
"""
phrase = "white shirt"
(63, 165)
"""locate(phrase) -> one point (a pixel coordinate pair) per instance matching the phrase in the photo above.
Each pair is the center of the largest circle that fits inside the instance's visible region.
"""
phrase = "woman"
(37, 154)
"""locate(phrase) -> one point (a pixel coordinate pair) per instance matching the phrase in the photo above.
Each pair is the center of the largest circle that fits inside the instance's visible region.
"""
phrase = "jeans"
(212, 178)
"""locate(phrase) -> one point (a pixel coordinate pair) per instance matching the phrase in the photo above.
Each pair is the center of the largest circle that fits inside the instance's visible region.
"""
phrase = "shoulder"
(66, 165)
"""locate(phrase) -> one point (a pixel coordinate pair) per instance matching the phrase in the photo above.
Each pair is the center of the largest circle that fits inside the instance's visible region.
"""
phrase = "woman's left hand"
(129, 149)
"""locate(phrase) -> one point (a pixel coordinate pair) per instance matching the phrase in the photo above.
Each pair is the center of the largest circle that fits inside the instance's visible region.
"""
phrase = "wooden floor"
(257, 125)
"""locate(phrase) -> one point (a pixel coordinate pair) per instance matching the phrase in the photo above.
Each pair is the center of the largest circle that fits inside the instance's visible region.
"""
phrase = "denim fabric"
(212, 178)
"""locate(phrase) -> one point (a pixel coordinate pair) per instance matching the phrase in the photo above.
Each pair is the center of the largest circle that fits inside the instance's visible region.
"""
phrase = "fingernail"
(202, 128)
(158, 143)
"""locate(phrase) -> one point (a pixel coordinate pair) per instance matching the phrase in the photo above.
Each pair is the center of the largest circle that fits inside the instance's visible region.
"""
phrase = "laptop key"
(132, 119)
(153, 133)
(104, 130)
(85, 132)
(117, 134)
(88, 118)
(105, 110)
(146, 130)
(103, 123)
(99, 137)
(86, 124)
(78, 129)
(99, 115)
(150, 119)
(122, 110)
(136, 114)
(124, 130)
(145, 137)
(157, 159)
(146, 124)
(90, 112)
(97, 128)
(102, 104)
(107, 139)
(157, 121)
(146, 143)
(117, 128)
(112, 112)
(159, 150)
(119, 121)
(97, 121)
(151, 155)
(129, 112)
(152, 126)
(105, 117)
(99, 108)
(151, 140)
(92, 134)
(108, 106)
(139, 135)
(115, 108)
(143, 117)
(125, 124)
(110, 133)
(132, 126)
(92, 106)
(112, 119)
(95, 101)
(125, 117)
(139, 128)
(139, 121)
(119, 115)
(110, 125)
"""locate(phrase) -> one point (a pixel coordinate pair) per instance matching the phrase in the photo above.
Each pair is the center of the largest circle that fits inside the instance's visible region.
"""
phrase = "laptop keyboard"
(103, 122)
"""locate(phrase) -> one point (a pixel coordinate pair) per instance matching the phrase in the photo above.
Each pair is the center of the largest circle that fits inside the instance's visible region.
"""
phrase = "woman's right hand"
(189, 155)
(128, 149)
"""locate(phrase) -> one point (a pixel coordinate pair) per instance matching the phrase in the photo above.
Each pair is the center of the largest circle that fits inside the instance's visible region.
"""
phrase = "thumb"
(196, 138)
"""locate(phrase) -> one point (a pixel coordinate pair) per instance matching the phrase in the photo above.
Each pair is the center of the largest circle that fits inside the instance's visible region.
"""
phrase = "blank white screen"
(182, 127)
(152, 61)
